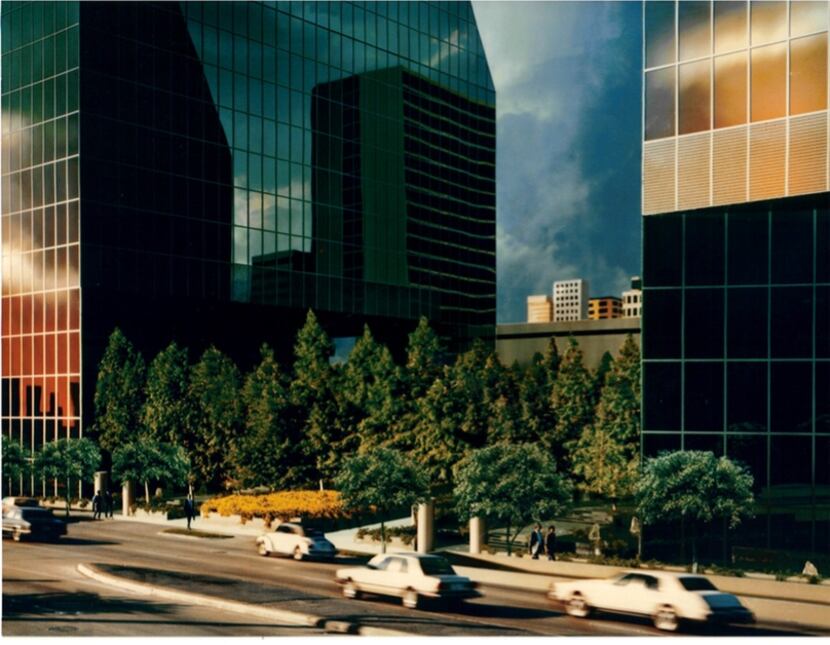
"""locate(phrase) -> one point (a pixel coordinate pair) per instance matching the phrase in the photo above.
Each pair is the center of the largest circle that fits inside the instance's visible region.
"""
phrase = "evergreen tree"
(606, 364)
(315, 404)
(537, 420)
(216, 417)
(572, 398)
(119, 392)
(425, 360)
(268, 453)
(552, 361)
(370, 388)
(166, 408)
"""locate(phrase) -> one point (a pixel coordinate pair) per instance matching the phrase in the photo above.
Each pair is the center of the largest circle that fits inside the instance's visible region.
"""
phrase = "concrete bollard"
(426, 526)
(476, 534)
(127, 498)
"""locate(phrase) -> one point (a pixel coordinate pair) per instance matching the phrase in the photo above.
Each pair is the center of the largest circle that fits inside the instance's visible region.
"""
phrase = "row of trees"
(291, 428)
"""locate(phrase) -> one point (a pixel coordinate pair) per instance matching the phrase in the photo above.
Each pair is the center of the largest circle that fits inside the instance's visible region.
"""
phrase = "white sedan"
(667, 598)
(409, 576)
(297, 541)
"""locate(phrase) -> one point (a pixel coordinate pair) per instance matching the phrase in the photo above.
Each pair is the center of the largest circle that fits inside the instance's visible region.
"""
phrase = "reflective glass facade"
(736, 296)
(207, 172)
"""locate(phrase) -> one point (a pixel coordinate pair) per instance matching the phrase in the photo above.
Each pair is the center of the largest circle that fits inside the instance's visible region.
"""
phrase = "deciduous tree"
(148, 461)
(511, 483)
(16, 460)
(68, 460)
(381, 480)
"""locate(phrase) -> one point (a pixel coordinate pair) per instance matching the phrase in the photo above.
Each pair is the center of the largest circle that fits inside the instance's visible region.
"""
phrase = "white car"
(409, 576)
(297, 541)
(667, 598)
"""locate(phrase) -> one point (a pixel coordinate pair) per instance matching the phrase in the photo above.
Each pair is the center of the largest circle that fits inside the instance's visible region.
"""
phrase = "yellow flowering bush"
(308, 504)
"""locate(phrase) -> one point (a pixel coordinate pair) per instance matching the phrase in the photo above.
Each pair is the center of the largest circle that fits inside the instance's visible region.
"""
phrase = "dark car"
(34, 523)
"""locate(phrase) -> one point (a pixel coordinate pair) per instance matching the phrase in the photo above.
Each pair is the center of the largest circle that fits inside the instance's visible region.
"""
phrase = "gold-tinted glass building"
(736, 252)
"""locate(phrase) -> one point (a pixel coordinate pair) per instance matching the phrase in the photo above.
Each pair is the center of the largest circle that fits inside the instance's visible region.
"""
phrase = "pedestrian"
(550, 542)
(96, 505)
(536, 542)
(109, 500)
(189, 509)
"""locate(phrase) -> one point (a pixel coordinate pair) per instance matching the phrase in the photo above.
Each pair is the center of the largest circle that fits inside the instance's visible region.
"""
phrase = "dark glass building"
(736, 252)
(208, 172)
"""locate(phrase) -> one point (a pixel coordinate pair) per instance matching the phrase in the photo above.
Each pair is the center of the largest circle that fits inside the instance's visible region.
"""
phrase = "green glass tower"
(209, 172)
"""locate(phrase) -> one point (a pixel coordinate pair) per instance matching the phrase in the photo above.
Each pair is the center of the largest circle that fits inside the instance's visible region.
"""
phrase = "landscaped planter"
(392, 541)
(140, 513)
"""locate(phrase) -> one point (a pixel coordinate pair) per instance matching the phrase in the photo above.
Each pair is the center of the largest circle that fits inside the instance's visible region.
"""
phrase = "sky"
(568, 95)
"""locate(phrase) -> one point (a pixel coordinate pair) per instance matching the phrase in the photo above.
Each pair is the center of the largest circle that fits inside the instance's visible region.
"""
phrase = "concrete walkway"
(785, 603)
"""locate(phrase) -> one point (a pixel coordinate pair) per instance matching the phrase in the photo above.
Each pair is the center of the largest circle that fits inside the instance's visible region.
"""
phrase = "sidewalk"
(775, 602)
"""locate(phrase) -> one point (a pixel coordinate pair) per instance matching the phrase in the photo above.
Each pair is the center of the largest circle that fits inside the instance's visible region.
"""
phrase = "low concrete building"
(517, 342)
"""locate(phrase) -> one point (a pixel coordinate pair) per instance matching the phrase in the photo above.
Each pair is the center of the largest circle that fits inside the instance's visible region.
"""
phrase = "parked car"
(667, 598)
(297, 541)
(409, 576)
(31, 522)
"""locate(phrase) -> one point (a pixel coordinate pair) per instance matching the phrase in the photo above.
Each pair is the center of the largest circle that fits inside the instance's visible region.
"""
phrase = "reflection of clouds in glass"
(768, 21)
(693, 113)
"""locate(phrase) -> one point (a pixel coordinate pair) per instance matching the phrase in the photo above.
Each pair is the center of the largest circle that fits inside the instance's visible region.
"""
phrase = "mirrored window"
(730, 90)
(660, 104)
(808, 78)
(694, 30)
(769, 21)
(769, 80)
(730, 25)
(694, 79)
(807, 17)
(659, 33)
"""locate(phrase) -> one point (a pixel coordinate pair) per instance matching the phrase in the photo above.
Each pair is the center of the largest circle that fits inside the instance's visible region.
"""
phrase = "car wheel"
(262, 549)
(350, 590)
(298, 553)
(410, 599)
(577, 607)
(666, 619)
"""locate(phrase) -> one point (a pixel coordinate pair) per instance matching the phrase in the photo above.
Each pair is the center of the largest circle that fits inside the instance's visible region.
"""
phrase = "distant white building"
(539, 309)
(570, 300)
(632, 300)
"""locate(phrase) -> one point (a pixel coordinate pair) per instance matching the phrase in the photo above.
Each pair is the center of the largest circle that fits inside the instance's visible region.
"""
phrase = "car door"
(613, 595)
(283, 539)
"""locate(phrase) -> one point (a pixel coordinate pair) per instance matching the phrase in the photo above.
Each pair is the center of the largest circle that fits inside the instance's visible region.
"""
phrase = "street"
(44, 594)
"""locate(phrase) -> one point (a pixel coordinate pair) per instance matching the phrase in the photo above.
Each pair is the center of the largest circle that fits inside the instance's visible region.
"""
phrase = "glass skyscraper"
(736, 251)
(208, 172)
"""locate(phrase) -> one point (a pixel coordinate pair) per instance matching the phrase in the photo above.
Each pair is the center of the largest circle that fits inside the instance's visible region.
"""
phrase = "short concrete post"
(476, 534)
(101, 482)
(426, 524)
(127, 498)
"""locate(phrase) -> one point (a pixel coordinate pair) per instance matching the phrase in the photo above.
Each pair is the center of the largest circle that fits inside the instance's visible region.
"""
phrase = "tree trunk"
(147, 492)
(68, 488)
(382, 537)
(509, 541)
(694, 548)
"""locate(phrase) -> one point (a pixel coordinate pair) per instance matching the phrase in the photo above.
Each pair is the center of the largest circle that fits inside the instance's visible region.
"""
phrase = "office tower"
(736, 251)
(570, 300)
(604, 307)
(209, 172)
(539, 309)
(632, 299)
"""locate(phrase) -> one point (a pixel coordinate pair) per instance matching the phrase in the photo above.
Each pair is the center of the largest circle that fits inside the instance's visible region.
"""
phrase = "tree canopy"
(70, 461)
(16, 459)
(512, 483)
(149, 460)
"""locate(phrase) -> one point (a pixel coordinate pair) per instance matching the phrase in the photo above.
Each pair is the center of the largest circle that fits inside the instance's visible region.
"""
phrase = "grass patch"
(197, 534)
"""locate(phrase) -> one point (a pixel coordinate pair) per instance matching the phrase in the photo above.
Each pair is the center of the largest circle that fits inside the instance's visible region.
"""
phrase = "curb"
(290, 617)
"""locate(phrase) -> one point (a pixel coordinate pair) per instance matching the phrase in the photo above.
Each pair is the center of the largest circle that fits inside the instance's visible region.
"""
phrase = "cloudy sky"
(567, 77)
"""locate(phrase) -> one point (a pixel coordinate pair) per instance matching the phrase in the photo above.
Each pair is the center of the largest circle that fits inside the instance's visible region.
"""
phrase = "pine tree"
(119, 393)
(166, 408)
(216, 417)
(572, 398)
(268, 452)
(537, 417)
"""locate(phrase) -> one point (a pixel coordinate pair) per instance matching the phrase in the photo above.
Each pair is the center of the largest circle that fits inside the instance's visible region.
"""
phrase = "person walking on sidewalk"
(97, 502)
(189, 509)
(550, 542)
(536, 543)
(108, 503)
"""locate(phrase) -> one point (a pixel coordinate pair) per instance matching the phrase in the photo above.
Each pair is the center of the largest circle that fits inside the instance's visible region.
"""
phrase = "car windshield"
(697, 584)
(313, 533)
(436, 567)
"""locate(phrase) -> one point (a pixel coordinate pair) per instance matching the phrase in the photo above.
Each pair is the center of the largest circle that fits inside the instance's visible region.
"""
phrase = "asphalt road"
(44, 595)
